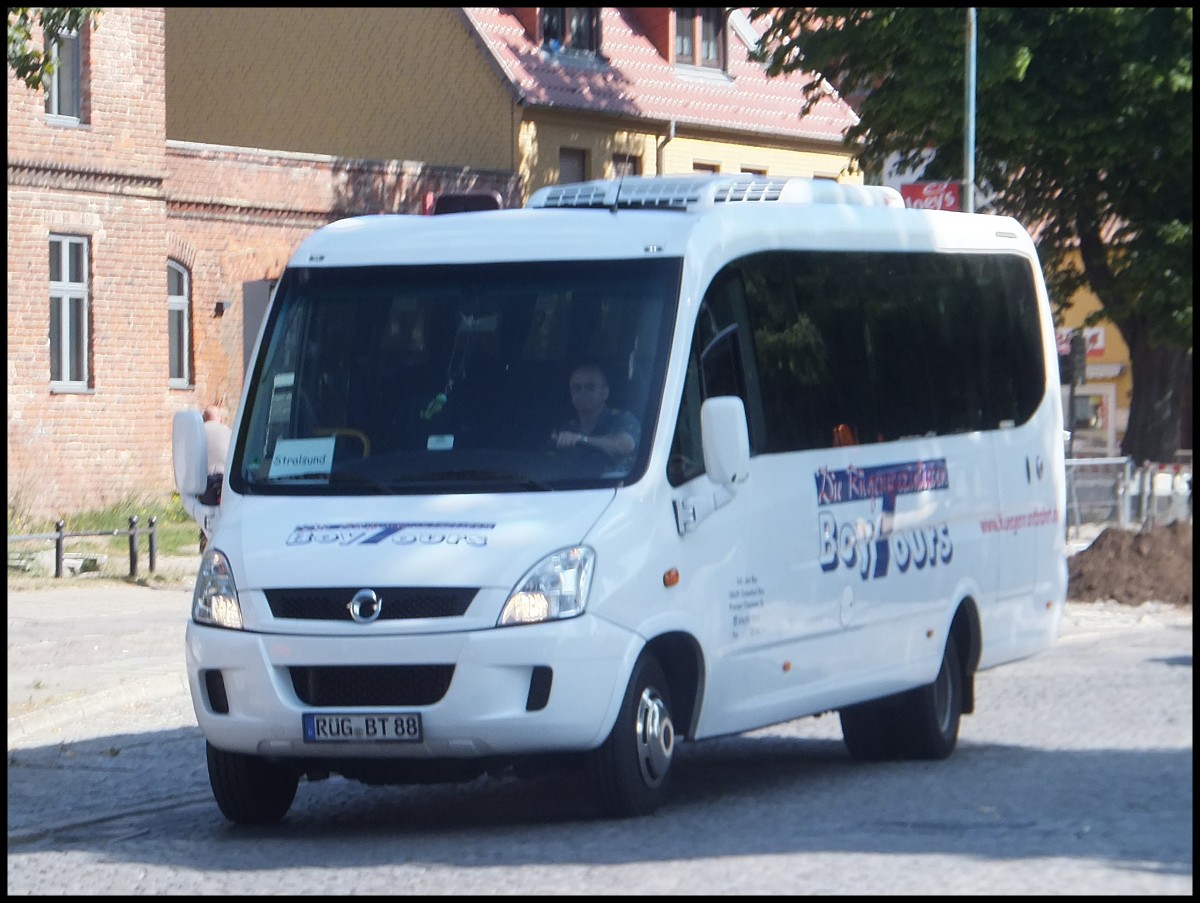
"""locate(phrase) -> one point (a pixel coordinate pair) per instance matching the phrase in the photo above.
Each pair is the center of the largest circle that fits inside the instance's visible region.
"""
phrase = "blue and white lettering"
(870, 546)
(401, 534)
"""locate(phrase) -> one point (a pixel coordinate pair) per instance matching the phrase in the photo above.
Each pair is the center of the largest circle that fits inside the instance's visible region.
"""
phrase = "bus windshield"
(457, 378)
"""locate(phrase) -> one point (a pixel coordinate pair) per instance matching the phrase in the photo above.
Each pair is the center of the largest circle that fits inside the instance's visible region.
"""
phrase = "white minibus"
(644, 462)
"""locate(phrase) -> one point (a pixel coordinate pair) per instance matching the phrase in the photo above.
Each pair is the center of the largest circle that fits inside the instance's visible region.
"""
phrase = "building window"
(699, 166)
(700, 37)
(64, 84)
(179, 332)
(572, 165)
(754, 170)
(69, 333)
(626, 165)
(571, 28)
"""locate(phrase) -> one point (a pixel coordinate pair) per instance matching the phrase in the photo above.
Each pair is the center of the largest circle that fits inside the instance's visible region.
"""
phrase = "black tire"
(249, 789)
(870, 730)
(931, 714)
(631, 770)
(918, 724)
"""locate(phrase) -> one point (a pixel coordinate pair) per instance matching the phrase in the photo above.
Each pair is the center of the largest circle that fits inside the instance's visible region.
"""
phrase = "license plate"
(392, 727)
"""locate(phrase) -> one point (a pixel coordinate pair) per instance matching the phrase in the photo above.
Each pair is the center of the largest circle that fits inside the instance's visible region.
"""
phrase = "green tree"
(28, 63)
(1083, 133)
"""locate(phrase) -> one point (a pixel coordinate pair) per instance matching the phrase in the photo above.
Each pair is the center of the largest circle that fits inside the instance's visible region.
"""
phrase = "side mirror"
(726, 442)
(725, 439)
(189, 453)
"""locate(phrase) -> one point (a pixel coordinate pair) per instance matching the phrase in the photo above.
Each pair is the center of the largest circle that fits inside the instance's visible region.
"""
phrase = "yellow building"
(182, 154)
(553, 94)
(1102, 401)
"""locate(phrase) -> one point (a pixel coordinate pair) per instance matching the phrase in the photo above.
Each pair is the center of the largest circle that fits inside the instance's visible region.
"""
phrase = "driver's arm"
(617, 445)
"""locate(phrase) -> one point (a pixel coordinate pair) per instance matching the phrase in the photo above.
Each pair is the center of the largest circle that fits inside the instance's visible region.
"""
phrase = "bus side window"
(687, 456)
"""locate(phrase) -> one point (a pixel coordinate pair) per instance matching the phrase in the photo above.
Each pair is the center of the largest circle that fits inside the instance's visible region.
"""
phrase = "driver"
(595, 425)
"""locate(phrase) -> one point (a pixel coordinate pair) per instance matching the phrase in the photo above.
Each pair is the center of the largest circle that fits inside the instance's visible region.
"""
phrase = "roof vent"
(693, 192)
(576, 194)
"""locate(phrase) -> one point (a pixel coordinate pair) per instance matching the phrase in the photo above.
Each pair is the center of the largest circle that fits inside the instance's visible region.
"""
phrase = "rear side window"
(876, 347)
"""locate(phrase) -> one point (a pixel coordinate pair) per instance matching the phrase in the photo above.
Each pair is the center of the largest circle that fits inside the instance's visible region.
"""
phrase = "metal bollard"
(133, 549)
(59, 547)
(153, 542)
(1124, 491)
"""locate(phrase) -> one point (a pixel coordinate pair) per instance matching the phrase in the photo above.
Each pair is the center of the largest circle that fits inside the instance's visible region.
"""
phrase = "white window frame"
(1100, 440)
(179, 339)
(69, 305)
(576, 22)
(72, 71)
(691, 38)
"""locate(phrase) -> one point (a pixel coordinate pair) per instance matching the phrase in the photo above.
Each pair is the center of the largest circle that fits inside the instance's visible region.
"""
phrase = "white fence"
(1113, 490)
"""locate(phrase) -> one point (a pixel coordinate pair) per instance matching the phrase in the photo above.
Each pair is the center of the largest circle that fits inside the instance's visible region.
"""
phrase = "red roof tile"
(632, 79)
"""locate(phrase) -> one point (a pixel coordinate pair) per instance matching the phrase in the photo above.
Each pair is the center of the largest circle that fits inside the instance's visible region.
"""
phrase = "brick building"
(159, 184)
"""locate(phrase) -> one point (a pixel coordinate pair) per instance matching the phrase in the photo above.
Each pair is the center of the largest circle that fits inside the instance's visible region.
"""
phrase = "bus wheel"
(250, 790)
(931, 714)
(870, 730)
(917, 724)
(631, 770)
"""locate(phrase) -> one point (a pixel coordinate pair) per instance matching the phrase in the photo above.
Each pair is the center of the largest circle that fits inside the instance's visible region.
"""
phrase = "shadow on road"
(737, 796)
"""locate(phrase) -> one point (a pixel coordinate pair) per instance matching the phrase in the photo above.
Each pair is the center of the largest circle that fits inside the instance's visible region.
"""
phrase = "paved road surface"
(1074, 777)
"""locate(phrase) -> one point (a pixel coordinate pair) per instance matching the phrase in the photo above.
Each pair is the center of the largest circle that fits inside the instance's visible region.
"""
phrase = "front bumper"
(484, 711)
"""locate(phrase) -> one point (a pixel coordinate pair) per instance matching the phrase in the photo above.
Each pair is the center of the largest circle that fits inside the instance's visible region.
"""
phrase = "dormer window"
(575, 28)
(700, 37)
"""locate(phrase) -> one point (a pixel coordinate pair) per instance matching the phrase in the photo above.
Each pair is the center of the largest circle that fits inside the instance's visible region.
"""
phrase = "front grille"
(371, 685)
(397, 602)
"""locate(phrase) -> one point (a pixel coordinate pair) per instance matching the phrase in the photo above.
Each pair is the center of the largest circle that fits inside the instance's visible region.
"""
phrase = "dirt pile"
(1133, 567)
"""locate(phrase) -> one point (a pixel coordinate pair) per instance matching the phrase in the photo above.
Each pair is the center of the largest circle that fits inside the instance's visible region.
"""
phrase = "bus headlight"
(556, 587)
(215, 600)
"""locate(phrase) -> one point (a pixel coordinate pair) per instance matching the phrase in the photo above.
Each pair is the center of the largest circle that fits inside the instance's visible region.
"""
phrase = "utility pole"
(1078, 358)
(969, 142)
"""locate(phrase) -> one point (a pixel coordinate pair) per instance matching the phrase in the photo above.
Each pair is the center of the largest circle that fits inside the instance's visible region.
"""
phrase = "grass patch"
(168, 512)
(107, 556)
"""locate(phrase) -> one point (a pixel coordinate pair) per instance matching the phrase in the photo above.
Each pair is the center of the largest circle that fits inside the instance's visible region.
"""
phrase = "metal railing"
(61, 535)
(1099, 490)
(1114, 490)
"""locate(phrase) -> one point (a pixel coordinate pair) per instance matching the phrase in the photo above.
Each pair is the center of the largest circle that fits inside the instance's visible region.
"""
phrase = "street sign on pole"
(969, 143)
(1079, 358)
(932, 195)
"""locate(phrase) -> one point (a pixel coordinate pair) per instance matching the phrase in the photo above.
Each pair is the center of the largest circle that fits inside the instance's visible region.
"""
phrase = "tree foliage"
(28, 63)
(1083, 132)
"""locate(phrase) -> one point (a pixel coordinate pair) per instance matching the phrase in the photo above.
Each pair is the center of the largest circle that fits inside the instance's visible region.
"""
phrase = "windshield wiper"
(287, 478)
(348, 479)
(338, 478)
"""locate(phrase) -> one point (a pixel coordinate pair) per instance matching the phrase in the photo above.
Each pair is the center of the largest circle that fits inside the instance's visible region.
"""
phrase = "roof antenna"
(617, 195)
